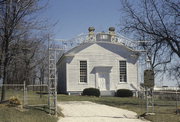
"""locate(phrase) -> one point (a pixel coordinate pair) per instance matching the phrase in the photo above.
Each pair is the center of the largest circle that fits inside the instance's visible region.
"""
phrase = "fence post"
(24, 94)
(177, 110)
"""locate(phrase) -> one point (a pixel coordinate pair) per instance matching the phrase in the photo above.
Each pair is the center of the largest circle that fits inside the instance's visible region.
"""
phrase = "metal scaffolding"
(53, 51)
(52, 80)
(52, 99)
(149, 101)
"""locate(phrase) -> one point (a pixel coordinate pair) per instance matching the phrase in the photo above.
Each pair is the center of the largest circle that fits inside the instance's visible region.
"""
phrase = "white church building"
(100, 63)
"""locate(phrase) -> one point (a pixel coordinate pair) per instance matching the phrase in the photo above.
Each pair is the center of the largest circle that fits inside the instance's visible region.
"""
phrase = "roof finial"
(91, 29)
(112, 31)
(91, 34)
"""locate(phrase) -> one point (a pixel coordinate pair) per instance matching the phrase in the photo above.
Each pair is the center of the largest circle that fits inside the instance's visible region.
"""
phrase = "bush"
(124, 93)
(91, 92)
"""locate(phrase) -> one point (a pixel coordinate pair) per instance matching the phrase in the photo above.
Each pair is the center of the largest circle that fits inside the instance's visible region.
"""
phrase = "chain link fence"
(166, 105)
(28, 95)
(37, 95)
(167, 101)
(13, 91)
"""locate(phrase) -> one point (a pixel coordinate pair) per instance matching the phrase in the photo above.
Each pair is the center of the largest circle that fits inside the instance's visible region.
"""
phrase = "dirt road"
(84, 111)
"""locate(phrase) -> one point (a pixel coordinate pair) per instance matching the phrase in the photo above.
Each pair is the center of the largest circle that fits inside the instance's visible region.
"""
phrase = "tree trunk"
(3, 92)
(5, 50)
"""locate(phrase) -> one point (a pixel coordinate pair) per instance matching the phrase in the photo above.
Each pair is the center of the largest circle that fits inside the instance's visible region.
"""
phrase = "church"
(100, 62)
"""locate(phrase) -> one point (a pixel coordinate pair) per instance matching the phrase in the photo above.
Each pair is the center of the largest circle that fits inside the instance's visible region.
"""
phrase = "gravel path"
(84, 111)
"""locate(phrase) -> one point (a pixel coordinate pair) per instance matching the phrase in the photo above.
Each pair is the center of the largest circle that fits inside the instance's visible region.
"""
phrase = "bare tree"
(157, 55)
(156, 21)
(26, 59)
(18, 18)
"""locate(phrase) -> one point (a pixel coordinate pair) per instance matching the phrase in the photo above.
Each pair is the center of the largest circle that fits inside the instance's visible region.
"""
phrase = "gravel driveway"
(84, 111)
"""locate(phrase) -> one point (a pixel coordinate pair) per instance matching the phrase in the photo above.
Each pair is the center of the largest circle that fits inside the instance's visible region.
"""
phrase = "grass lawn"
(32, 114)
(13, 114)
(164, 110)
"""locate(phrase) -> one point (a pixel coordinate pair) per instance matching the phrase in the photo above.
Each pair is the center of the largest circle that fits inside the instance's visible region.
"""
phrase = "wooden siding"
(96, 55)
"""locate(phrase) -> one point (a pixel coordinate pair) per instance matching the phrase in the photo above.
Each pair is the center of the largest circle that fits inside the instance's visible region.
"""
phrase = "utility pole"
(149, 86)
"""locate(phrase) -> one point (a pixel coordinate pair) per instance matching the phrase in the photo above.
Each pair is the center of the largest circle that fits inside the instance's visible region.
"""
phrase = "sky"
(73, 17)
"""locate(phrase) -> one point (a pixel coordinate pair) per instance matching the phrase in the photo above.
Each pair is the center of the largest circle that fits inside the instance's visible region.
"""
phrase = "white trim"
(67, 76)
(110, 79)
(96, 81)
(107, 80)
(137, 75)
(127, 72)
(122, 83)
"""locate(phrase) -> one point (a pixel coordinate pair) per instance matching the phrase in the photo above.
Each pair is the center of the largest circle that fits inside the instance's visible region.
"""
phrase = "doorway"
(103, 81)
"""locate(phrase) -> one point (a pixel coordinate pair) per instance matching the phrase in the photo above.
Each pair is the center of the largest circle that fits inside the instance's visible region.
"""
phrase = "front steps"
(107, 93)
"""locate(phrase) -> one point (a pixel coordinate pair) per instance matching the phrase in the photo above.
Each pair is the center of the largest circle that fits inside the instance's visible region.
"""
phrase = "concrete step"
(107, 93)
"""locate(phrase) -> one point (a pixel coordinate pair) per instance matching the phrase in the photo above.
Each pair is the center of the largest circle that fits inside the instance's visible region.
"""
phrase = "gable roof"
(113, 47)
(77, 49)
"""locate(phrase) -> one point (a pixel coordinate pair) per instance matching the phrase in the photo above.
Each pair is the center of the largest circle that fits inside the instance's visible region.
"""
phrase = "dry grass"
(16, 114)
(28, 114)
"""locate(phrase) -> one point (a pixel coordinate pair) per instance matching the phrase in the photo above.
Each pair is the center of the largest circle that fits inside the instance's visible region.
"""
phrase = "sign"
(149, 78)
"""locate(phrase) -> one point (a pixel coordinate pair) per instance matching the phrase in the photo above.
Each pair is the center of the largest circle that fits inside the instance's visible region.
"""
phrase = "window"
(83, 71)
(122, 71)
(103, 36)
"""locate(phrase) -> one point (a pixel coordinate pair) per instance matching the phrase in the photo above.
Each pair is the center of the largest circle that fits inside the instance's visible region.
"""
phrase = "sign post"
(149, 78)
(149, 85)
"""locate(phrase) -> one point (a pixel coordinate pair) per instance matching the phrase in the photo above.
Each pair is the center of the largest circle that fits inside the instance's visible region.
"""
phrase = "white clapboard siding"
(96, 55)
